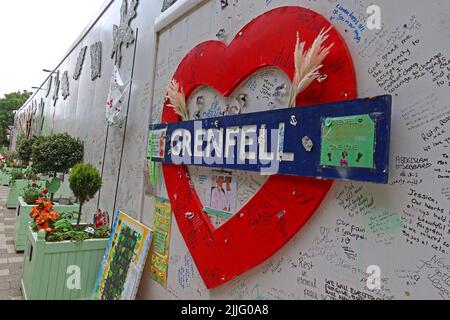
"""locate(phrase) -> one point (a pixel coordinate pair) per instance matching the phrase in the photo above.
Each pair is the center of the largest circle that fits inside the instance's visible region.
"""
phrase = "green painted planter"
(45, 266)
(5, 177)
(16, 190)
(23, 219)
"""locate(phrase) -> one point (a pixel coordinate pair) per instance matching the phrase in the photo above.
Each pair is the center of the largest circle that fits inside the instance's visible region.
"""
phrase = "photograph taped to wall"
(223, 192)
(157, 144)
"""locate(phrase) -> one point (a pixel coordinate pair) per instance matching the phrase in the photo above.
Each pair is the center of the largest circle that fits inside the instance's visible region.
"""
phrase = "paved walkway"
(10, 261)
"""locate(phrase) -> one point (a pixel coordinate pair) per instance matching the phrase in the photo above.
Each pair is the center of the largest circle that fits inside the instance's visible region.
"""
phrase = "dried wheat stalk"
(177, 100)
(308, 64)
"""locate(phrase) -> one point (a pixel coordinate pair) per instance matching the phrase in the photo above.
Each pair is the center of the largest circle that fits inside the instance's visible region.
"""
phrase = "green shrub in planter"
(23, 220)
(45, 266)
(55, 154)
(16, 174)
(32, 192)
(85, 181)
(10, 157)
(16, 190)
(54, 244)
(25, 148)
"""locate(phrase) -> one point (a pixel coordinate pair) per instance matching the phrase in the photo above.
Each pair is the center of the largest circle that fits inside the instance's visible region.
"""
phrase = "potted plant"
(19, 181)
(54, 244)
(4, 173)
(8, 166)
(32, 193)
(20, 177)
(25, 148)
(85, 181)
(55, 154)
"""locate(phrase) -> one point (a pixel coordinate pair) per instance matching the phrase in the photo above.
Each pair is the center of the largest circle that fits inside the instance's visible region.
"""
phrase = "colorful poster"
(152, 170)
(160, 247)
(124, 260)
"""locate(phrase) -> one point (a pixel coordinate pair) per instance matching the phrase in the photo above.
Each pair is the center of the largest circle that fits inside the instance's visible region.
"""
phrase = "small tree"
(25, 148)
(85, 181)
(57, 153)
(10, 157)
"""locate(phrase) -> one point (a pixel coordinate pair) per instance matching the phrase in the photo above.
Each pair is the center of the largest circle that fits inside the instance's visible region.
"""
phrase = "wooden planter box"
(16, 190)
(23, 219)
(45, 266)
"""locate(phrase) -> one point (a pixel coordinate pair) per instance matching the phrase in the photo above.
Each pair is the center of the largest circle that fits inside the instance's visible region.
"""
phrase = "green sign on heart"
(348, 142)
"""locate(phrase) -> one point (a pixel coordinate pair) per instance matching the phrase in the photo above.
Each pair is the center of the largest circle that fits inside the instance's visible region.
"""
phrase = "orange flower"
(35, 212)
(48, 206)
(43, 226)
(54, 215)
(44, 216)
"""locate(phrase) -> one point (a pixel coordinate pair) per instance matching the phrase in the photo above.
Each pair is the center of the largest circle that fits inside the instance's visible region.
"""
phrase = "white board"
(400, 230)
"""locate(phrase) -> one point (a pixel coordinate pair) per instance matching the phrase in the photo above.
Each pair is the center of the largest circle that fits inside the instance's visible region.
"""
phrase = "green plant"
(20, 137)
(16, 174)
(25, 148)
(64, 230)
(10, 157)
(32, 193)
(57, 153)
(30, 174)
(85, 181)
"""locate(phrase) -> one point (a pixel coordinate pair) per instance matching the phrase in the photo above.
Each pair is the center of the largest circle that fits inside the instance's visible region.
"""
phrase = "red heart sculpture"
(284, 204)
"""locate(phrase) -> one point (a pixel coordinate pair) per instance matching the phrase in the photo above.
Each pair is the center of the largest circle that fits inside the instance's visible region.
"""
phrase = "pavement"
(10, 261)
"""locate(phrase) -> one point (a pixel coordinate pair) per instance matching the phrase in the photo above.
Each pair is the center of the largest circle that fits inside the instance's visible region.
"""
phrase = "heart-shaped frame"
(284, 203)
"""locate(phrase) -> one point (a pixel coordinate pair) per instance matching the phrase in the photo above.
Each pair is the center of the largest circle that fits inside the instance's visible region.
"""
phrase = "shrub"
(10, 158)
(16, 174)
(85, 181)
(57, 153)
(24, 149)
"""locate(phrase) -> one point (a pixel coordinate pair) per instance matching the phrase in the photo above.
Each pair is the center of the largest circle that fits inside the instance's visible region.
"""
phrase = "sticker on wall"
(283, 204)
(162, 220)
(115, 104)
(124, 260)
(348, 142)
